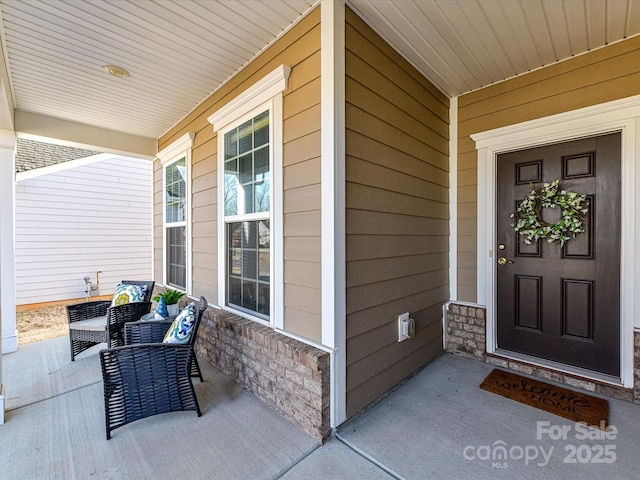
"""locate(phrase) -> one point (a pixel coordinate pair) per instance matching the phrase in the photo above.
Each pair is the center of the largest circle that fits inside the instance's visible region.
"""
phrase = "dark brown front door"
(562, 303)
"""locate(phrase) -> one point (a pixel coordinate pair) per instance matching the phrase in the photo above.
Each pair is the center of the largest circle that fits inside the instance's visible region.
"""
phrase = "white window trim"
(261, 92)
(616, 116)
(174, 152)
(265, 94)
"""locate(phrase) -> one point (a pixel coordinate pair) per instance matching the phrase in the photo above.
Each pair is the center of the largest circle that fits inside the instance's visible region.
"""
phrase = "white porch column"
(333, 200)
(8, 331)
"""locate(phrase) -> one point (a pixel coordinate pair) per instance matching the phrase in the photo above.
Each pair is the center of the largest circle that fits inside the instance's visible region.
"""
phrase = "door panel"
(562, 303)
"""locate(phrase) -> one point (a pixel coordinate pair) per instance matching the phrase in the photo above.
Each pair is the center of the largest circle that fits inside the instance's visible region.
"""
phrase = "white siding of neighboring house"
(79, 217)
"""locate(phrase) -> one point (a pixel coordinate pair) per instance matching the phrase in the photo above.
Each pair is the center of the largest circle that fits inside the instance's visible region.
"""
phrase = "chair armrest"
(150, 331)
(143, 364)
(129, 312)
(86, 310)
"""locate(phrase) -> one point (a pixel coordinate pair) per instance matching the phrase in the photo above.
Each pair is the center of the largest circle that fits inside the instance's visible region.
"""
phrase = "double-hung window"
(250, 236)
(176, 205)
(247, 215)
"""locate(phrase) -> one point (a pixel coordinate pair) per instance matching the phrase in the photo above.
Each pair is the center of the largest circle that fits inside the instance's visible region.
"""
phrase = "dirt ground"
(38, 325)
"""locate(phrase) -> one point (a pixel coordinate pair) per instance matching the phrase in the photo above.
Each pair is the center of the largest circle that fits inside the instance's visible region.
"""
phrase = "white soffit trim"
(617, 116)
(176, 148)
(261, 92)
(43, 128)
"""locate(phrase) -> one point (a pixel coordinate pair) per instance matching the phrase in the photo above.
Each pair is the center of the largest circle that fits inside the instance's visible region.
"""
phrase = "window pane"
(247, 164)
(175, 191)
(246, 201)
(245, 137)
(263, 298)
(261, 162)
(248, 265)
(249, 298)
(235, 291)
(262, 194)
(176, 257)
(231, 144)
(245, 169)
(261, 126)
(262, 180)
(264, 264)
(231, 187)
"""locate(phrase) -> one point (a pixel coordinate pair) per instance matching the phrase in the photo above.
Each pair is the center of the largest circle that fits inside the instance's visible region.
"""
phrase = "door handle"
(504, 261)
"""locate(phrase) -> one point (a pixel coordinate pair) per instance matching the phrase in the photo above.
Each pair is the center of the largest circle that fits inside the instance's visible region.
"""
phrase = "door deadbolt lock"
(501, 246)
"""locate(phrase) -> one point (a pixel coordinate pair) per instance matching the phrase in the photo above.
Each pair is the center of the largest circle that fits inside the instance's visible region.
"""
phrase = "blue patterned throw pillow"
(161, 310)
(128, 294)
(181, 329)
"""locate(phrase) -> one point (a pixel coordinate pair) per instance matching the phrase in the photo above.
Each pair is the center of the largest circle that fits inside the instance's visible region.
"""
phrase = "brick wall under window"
(290, 376)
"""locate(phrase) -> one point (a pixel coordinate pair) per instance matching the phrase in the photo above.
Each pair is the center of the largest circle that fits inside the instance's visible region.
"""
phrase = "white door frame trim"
(616, 116)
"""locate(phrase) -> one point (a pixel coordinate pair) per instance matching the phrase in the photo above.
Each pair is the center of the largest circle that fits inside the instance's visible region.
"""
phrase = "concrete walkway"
(438, 425)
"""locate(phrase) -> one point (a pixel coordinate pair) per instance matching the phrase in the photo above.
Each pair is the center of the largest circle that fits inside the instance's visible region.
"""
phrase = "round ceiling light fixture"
(116, 71)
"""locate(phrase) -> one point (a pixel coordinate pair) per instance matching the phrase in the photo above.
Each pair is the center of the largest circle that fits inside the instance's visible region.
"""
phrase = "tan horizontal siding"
(309, 324)
(299, 49)
(394, 136)
(301, 198)
(301, 149)
(302, 248)
(360, 247)
(378, 153)
(387, 177)
(302, 273)
(397, 218)
(367, 320)
(386, 379)
(363, 297)
(359, 272)
(604, 75)
(370, 101)
(378, 337)
(302, 174)
(365, 197)
(377, 53)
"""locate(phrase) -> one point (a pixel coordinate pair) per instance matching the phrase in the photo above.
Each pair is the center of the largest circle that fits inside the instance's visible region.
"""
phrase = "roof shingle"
(31, 154)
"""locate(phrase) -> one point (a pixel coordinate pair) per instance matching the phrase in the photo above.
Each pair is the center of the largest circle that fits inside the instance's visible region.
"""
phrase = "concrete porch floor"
(438, 425)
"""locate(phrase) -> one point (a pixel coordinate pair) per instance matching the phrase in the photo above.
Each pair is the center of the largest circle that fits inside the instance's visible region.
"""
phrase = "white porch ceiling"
(179, 51)
(463, 45)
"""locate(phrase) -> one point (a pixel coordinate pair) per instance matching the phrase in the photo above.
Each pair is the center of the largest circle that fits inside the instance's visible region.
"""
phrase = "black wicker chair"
(149, 378)
(91, 323)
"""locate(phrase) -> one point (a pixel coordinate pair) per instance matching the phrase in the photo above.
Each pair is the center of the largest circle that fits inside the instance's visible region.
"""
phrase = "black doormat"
(575, 406)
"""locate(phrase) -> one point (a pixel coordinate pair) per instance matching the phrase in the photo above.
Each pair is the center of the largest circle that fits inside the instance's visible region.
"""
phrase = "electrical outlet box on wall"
(406, 327)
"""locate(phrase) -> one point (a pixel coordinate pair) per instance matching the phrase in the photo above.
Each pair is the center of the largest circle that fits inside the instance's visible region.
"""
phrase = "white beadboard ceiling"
(463, 45)
(179, 51)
